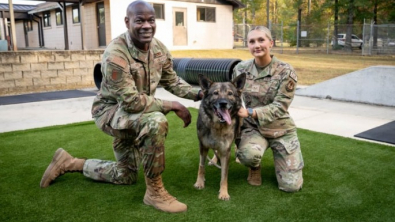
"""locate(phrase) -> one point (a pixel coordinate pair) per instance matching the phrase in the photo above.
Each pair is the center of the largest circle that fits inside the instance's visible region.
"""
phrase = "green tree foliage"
(315, 11)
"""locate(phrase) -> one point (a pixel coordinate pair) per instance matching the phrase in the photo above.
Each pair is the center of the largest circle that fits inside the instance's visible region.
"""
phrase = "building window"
(59, 17)
(28, 25)
(159, 11)
(76, 14)
(206, 14)
(47, 19)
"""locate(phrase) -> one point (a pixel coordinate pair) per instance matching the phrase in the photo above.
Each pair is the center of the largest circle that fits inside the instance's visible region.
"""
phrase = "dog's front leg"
(201, 172)
(223, 191)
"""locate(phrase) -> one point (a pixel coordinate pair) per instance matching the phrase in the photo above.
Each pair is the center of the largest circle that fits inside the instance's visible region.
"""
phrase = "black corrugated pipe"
(218, 70)
(97, 75)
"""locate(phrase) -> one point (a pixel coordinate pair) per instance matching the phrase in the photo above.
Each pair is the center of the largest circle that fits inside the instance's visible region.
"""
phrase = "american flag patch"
(293, 76)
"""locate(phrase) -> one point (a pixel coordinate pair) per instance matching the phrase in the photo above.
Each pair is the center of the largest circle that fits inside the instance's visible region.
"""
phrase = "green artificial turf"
(344, 180)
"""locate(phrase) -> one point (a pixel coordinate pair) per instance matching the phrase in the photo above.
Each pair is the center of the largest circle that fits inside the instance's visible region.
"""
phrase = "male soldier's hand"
(182, 112)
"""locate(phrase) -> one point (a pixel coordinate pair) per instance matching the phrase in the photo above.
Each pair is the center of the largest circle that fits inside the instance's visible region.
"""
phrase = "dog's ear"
(239, 82)
(204, 82)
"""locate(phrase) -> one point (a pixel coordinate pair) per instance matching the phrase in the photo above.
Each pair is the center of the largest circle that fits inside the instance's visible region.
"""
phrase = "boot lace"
(160, 191)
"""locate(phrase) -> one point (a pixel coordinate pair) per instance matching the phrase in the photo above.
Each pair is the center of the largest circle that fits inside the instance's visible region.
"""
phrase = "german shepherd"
(217, 125)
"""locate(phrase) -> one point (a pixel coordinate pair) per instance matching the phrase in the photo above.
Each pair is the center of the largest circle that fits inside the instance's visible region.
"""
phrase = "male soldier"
(133, 65)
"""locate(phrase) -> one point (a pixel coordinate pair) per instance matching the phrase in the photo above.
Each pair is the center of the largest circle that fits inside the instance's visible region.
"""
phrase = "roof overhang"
(236, 4)
(71, 1)
(46, 7)
(54, 4)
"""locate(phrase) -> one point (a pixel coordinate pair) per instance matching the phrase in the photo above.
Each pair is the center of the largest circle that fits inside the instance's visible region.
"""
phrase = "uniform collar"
(265, 72)
(135, 52)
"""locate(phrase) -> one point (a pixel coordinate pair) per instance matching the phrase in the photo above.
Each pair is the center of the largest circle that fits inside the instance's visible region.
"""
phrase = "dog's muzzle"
(222, 110)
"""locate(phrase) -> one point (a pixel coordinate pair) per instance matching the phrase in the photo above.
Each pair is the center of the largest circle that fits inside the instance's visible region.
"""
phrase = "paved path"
(322, 115)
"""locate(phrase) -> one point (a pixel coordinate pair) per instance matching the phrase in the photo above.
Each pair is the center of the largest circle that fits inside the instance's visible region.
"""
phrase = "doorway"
(101, 27)
(179, 26)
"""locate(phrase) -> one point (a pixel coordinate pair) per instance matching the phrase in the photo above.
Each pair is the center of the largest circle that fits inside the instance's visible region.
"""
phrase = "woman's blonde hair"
(263, 29)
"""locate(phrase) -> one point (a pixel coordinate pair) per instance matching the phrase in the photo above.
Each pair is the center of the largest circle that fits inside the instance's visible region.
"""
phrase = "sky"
(23, 2)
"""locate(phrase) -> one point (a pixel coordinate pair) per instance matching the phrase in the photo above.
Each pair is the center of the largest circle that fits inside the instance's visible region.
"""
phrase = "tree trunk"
(350, 20)
(335, 31)
(374, 26)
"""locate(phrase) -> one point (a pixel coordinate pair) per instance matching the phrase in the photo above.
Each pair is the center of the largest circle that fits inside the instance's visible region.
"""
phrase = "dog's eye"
(230, 93)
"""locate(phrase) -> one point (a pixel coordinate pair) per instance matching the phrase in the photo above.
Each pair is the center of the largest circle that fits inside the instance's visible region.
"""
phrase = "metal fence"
(378, 39)
(320, 38)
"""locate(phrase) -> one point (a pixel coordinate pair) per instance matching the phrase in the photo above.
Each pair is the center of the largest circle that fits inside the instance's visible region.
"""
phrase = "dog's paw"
(223, 196)
(199, 185)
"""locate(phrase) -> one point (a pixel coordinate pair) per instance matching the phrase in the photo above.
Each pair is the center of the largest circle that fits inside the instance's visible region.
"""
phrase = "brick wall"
(38, 71)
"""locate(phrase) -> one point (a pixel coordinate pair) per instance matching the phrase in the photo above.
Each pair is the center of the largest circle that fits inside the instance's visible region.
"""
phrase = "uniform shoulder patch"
(290, 86)
(293, 76)
(116, 74)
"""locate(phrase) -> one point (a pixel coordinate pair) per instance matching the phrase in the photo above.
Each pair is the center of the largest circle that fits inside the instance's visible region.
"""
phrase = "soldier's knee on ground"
(126, 178)
(249, 157)
(290, 182)
(290, 188)
(106, 171)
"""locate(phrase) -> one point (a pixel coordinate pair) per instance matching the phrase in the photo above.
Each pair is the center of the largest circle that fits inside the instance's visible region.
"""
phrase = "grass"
(311, 68)
(345, 180)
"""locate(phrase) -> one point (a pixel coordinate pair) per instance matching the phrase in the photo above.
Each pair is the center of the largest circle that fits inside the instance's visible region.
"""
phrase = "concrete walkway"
(322, 115)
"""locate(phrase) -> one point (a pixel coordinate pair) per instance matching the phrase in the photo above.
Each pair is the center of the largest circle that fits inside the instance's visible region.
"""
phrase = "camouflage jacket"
(130, 79)
(270, 94)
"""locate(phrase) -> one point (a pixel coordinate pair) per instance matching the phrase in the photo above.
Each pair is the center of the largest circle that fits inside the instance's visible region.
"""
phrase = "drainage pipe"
(218, 70)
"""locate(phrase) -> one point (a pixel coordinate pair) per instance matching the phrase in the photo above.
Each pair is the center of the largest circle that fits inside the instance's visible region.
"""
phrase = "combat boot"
(157, 196)
(254, 176)
(62, 162)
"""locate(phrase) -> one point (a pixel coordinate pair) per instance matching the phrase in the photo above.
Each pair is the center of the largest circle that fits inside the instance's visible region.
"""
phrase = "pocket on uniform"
(289, 142)
(292, 146)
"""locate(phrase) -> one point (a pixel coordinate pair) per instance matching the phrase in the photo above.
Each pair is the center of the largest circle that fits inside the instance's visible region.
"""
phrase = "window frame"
(28, 25)
(47, 17)
(59, 12)
(162, 12)
(206, 8)
(78, 11)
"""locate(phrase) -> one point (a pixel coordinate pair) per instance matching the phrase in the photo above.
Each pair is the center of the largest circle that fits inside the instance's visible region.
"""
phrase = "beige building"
(92, 24)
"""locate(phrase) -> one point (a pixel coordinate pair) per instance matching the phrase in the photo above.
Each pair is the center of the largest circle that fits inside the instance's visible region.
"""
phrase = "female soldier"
(268, 93)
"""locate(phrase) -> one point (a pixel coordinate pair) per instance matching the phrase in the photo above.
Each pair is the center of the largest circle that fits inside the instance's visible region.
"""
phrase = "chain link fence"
(378, 39)
(320, 38)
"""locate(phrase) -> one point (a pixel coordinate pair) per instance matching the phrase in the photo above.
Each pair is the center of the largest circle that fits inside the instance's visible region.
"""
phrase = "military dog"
(217, 124)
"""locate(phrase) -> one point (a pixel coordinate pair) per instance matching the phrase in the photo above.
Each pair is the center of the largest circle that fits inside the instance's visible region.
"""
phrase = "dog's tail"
(213, 161)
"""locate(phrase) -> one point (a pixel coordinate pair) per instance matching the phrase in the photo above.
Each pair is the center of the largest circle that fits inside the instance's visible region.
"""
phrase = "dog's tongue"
(226, 115)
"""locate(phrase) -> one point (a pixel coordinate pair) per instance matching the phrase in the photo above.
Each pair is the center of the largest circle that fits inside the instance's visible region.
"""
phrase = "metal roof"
(71, 1)
(17, 7)
(46, 7)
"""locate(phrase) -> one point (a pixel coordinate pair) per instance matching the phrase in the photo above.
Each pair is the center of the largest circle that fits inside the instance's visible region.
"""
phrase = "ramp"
(384, 133)
(373, 85)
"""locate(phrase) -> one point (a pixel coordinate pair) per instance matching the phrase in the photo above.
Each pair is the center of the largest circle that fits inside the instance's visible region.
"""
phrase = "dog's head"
(224, 98)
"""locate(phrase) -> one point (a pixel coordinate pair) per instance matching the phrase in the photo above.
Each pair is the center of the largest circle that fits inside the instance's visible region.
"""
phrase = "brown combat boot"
(62, 162)
(254, 176)
(157, 196)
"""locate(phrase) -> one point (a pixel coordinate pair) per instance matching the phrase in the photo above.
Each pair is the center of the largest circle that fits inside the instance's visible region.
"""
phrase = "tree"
(336, 22)
(350, 17)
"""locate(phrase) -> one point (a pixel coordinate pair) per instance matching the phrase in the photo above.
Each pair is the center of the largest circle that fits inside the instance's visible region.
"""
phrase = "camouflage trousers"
(288, 160)
(142, 143)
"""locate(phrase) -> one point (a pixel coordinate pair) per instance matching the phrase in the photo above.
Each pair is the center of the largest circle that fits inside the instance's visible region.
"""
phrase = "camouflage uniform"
(270, 93)
(125, 108)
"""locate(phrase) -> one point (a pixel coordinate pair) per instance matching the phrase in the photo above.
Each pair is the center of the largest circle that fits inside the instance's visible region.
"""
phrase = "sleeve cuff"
(167, 106)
